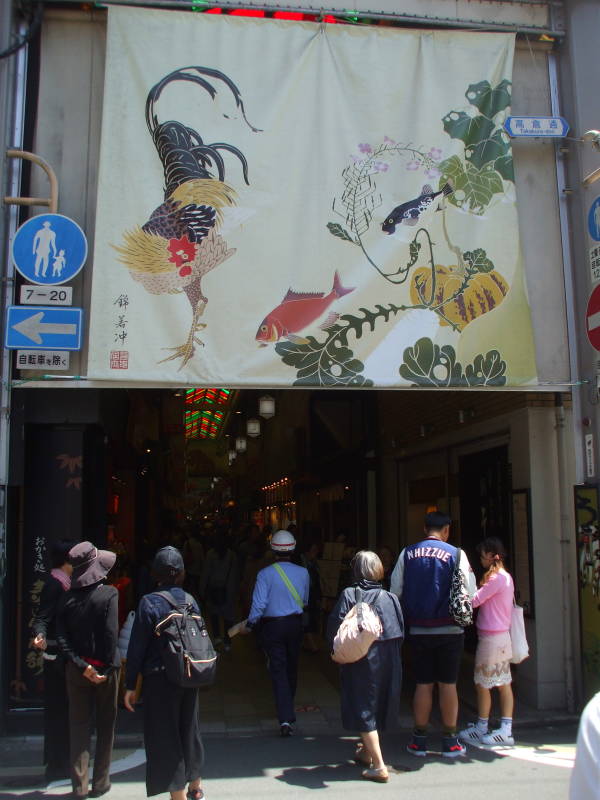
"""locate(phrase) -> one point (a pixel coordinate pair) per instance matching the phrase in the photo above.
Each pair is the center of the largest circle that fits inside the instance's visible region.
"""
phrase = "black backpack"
(187, 652)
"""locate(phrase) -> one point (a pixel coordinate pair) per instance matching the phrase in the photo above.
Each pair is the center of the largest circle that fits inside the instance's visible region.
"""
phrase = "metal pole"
(12, 97)
(12, 221)
(567, 532)
(566, 545)
(568, 275)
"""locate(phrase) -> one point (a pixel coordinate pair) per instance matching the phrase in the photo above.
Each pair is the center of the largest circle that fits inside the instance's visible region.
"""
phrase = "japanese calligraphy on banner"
(292, 203)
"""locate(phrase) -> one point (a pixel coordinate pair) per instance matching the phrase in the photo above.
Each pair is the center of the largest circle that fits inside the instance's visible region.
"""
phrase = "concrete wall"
(580, 77)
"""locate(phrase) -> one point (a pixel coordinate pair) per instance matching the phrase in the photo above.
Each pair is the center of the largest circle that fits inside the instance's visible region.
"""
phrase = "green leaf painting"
(338, 231)
(470, 130)
(488, 370)
(487, 158)
(328, 364)
(477, 261)
(473, 187)
(489, 101)
(488, 150)
(428, 364)
(504, 166)
(414, 250)
(332, 362)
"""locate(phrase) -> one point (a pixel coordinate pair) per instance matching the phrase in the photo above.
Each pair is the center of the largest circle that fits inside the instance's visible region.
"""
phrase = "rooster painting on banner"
(273, 211)
(180, 242)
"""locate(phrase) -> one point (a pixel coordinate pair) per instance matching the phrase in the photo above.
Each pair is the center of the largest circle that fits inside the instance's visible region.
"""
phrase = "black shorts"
(436, 656)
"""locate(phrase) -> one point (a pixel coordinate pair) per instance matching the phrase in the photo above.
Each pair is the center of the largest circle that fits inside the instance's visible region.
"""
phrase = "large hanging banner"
(289, 203)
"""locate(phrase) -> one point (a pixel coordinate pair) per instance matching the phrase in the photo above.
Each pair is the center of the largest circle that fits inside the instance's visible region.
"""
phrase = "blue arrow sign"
(49, 249)
(43, 328)
(546, 127)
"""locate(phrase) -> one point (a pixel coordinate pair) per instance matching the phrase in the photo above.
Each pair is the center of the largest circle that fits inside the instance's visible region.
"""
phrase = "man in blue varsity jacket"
(421, 579)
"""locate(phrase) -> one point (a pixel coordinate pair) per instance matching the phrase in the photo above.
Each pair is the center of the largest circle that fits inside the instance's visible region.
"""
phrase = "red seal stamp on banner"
(119, 359)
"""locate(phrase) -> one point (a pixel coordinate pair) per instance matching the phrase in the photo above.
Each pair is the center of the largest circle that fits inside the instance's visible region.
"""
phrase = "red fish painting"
(297, 311)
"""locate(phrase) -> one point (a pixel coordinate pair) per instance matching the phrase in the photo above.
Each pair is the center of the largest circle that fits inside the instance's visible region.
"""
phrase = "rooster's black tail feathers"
(183, 153)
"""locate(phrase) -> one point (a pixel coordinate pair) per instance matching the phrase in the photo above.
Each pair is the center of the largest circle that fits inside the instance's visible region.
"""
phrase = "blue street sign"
(546, 127)
(43, 328)
(49, 249)
(594, 220)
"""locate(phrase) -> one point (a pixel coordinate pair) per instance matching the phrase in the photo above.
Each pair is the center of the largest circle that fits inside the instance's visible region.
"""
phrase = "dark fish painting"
(410, 212)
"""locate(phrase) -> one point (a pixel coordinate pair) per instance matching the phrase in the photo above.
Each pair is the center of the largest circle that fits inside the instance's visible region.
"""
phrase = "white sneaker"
(498, 738)
(471, 734)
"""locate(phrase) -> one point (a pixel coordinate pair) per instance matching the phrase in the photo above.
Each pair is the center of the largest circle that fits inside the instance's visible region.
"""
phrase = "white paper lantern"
(240, 444)
(253, 427)
(266, 406)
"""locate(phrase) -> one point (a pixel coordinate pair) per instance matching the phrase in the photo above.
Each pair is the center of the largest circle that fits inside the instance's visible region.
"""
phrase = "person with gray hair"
(370, 688)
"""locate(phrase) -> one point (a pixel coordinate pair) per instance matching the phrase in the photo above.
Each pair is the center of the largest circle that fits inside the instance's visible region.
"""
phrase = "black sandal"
(195, 794)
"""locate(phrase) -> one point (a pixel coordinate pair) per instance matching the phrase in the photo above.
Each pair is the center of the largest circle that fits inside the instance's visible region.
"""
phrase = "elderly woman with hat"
(174, 752)
(87, 632)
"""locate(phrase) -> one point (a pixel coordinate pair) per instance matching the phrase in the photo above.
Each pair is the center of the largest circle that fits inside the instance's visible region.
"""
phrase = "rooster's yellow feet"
(187, 350)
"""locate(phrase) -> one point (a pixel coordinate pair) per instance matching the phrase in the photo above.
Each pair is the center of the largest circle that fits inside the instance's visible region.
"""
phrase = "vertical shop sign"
(53, 511)
(589, 455)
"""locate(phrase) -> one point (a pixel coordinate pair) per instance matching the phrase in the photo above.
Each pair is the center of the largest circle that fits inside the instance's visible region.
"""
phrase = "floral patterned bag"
(460, 605)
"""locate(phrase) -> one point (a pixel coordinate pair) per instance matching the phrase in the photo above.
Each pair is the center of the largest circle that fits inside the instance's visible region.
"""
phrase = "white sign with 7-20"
(47, 295)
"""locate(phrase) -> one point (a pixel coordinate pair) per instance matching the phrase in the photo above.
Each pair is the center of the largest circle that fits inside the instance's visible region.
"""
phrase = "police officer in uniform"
(280, 594)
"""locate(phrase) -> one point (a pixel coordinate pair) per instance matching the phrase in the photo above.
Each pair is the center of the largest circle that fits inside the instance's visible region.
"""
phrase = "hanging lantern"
(266, 406)
(240, 444)
(253, 428)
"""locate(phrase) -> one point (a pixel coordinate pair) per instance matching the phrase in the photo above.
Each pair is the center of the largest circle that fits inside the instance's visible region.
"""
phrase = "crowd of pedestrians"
(278, 592)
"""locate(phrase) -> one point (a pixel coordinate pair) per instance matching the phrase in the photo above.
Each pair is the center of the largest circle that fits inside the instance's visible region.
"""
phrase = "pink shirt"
(494, 600)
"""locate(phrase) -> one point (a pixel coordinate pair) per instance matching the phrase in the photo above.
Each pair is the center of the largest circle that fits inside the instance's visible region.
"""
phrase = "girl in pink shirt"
(494, 598)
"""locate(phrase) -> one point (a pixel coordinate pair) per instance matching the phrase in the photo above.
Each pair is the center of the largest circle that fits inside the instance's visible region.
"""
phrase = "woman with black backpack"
(370, 687)
(174, 751)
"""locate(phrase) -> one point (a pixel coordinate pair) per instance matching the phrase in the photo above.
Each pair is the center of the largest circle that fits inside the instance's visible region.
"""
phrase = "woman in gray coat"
(370, 688)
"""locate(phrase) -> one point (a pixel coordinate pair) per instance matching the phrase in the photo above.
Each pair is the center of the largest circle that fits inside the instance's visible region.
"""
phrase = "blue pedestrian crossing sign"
(49, 249)
(43, 328)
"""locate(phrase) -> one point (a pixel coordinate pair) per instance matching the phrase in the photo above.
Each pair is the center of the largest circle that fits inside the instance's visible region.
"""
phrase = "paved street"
(259, 766)
(246, 757)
